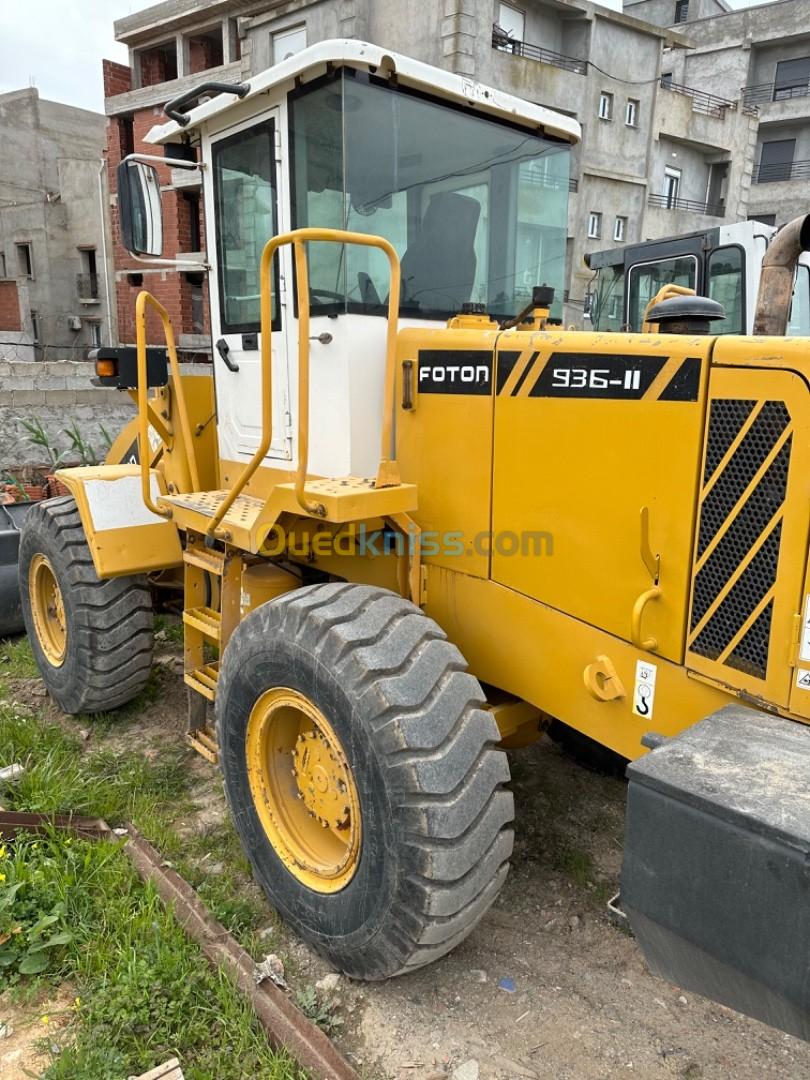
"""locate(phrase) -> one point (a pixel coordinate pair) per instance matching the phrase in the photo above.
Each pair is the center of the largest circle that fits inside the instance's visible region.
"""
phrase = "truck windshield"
(476, 209)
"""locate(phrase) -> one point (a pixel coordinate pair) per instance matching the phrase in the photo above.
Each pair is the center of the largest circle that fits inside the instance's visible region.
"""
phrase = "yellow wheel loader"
(416, 519)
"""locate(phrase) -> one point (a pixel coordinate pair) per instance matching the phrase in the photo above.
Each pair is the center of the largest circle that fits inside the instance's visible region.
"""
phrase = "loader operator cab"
(470, 186)
(721, 263)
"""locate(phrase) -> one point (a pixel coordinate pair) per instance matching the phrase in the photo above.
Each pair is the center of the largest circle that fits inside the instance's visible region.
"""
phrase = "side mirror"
(140, 210)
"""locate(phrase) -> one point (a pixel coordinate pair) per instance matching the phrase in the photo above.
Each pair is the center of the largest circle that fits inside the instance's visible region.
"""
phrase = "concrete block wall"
(55, 394)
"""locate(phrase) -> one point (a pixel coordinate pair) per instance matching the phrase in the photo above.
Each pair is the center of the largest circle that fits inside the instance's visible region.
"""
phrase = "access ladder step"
(204, 741)
(205, 559)
(206, 620)
(204, 680)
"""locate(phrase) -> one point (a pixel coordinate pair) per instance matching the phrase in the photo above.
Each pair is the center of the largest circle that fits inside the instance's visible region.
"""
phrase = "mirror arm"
(173, 163)
(173, 107)
(177, 264)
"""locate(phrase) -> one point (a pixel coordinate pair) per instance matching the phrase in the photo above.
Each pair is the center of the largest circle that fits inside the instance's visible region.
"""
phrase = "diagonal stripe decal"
(522, 380)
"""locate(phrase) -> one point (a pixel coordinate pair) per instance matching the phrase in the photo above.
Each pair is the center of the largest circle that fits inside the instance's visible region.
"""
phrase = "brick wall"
(171, 288)
(9, 307)
(204, 53)
(117, 78)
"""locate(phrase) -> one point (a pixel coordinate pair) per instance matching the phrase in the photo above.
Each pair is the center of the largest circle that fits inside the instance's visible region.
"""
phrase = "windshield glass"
(477, 210)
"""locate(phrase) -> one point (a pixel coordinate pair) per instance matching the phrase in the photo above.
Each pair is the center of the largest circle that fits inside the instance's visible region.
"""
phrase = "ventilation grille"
(740, 532)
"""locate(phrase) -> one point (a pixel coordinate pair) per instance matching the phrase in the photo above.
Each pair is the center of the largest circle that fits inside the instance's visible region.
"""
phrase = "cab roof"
(360, 55)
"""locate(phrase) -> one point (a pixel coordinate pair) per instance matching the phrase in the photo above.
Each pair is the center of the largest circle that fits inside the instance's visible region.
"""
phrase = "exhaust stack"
(778, 272)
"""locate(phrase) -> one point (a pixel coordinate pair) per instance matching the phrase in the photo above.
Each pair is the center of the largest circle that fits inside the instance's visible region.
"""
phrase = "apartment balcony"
(87, 288)
(692, 206)
(781, 172)
(504, 43)
(776, 102)
(707, 104)
(765, 93)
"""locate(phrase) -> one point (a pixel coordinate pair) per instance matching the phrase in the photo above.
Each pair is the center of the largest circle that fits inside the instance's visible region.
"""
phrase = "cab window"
(727, 287)
(245, 196)
(799, 325)
(645, 279)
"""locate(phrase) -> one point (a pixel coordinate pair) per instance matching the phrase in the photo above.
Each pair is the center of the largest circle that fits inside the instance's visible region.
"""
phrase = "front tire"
(395, 768)
(91, 638)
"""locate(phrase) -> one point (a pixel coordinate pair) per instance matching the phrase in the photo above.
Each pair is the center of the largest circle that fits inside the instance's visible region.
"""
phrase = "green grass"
(16, 659)
(146, 992)
(172, 629)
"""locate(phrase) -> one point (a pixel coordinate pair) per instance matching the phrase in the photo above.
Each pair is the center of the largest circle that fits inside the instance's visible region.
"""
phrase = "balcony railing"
(709, 104)
(767, 92)
(504, 43)
(87, 286)
(780, 171)
(671, 202)
(553, 183)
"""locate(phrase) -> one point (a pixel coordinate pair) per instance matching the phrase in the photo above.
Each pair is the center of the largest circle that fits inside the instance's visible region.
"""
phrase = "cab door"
(245, 205)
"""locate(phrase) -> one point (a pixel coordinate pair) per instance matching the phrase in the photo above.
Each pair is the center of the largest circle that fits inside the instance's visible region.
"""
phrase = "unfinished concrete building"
(55, 250)
(662, 153)
(760, 55)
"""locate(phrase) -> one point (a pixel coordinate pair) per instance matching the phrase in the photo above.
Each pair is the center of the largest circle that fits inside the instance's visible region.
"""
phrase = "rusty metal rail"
(286, 1026)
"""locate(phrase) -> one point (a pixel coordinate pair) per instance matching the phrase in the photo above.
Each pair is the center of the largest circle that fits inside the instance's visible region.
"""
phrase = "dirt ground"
(580, 1003)
(24, 1032)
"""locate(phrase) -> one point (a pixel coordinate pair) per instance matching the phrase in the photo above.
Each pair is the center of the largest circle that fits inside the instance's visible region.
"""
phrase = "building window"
(792, 78)
(25, 261)
(88, 278)
(159, 64)
(126, 136)
(594, 225)
(35, 327)
(605, 106)
(666, 79)
(620, 229)
(191, 200)
(672, 187)
(94, 329)
(776, 161)
(288, 42)
(2, 264)
(631, 113)
(681, 11)
(205, 50)
(512, 21)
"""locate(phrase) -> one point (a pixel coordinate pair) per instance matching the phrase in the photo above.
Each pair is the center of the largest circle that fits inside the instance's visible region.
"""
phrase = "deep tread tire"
(436, 815)
(109, 623)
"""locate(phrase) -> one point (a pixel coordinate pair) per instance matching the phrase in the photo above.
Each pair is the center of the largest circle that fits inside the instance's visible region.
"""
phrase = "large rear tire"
(91, 638)
(363, 776)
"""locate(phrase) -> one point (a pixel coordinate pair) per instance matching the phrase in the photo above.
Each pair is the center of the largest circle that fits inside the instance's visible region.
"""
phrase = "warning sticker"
(644, 691)
(804, 644)
(803, 678)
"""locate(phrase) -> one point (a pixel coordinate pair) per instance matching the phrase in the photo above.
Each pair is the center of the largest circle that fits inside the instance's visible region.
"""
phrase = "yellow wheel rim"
(48, 610)
(303, 790)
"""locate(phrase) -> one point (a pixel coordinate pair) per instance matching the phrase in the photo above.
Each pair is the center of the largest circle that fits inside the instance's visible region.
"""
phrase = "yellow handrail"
(386, 474)
(145, 298)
